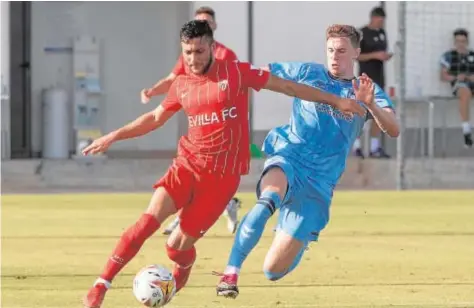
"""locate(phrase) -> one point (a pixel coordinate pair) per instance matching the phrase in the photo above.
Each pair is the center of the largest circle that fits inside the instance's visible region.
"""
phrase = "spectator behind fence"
(371, 62)
(457, 68)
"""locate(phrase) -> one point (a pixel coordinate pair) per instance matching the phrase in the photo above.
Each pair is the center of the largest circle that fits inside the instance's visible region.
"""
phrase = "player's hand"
(461, 77)
(365, 90)
(349, 107)
(471, 78)
(99, 145)
(145, 96)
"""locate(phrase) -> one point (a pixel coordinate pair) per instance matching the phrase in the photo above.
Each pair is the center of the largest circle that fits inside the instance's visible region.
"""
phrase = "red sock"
(129, 245)
(184, 260)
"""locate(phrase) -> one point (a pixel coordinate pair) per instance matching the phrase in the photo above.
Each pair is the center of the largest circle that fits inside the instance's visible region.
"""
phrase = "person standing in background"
(371, 62)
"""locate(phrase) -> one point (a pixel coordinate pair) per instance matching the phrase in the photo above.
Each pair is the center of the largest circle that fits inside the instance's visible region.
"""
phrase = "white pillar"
(5, 40)
(5, 82)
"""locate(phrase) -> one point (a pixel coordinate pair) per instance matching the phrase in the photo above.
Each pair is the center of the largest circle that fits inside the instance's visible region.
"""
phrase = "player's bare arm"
(377, 55)
(143, 125)
(308, 93)
(445, 76)
(159, 88)
(384, 117)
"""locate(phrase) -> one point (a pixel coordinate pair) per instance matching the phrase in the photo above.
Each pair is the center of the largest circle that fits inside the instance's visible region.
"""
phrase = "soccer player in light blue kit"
(306, 158)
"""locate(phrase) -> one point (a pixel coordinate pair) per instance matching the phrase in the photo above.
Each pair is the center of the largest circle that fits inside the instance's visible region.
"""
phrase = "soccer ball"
(154, 286)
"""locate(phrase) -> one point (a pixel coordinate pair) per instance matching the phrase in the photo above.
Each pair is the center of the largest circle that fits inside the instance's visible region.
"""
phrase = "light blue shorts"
(304, 211)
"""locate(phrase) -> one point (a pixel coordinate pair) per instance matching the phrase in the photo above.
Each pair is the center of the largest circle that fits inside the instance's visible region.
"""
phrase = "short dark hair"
(462, 32)
(377, 12)
(194, 29)
(206, 10)
(350, 32)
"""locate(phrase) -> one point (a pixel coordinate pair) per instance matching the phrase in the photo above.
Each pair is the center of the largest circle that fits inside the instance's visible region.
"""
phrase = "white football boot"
(231, 213)
(172, 225)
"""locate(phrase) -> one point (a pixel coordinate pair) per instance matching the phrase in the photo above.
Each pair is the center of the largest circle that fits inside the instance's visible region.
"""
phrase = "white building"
(139, 45)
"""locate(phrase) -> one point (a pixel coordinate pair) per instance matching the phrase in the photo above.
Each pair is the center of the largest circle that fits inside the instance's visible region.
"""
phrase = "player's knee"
(274, 268)
(180, 241)
(274, 181)
(284, 254)
(464, 93)
(273, 276)
(161, 205)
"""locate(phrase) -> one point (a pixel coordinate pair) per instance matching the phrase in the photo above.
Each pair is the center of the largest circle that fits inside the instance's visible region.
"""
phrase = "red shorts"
(202, 199)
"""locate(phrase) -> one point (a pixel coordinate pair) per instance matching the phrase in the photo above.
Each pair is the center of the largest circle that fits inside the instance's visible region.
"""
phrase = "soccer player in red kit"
(162, 86)
(210, 160)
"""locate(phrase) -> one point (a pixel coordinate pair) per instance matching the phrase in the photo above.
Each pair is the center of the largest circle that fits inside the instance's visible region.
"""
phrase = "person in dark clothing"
(371, 62)
(457, 68)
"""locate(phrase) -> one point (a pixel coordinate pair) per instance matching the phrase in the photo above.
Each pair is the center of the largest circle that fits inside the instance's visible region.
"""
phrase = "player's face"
(197, 54)
(208, 18)
(460, 42)
(341, 56)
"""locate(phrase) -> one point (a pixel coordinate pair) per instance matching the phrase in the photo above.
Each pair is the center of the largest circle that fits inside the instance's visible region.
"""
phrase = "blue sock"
(250, 230)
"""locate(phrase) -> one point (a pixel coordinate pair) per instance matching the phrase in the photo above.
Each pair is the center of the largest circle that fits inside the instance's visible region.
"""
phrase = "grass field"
(381, 249)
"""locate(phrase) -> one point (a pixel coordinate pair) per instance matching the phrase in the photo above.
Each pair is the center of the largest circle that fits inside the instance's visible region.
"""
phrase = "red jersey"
(221, 52)
(216, 105)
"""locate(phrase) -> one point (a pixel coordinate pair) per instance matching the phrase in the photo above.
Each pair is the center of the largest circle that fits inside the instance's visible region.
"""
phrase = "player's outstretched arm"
(308, 93)
(144, 124)
(377, 105)
(377, 55)
(385, 119)
(159, 88)
(163, 85)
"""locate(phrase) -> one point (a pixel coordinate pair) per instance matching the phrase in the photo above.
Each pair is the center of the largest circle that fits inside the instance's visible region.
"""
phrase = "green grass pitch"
(380, 249)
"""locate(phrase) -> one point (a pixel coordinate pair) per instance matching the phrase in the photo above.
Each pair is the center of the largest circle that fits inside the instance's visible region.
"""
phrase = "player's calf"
(184, 260)
(248, 234)
(181, 250)
(129, 245)
(251, 229)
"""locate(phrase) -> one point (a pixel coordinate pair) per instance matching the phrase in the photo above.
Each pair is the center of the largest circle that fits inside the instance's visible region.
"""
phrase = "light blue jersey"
(312, 149)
